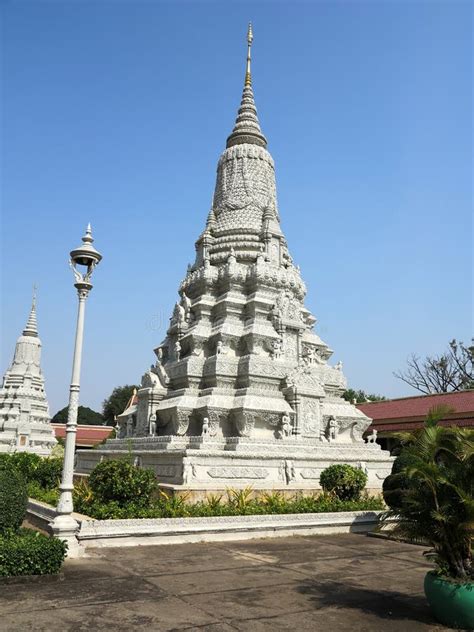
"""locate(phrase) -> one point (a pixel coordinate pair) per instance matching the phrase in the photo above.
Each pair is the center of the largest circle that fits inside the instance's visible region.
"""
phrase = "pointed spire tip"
(247, 127)
(248, 73)
(31, 328)
(250, 34)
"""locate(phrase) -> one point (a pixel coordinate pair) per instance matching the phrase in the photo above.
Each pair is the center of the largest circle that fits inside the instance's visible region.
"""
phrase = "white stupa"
(24, 411)
(241, 392)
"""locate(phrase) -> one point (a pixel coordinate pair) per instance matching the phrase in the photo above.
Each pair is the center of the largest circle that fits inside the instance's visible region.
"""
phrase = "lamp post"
(64, 526)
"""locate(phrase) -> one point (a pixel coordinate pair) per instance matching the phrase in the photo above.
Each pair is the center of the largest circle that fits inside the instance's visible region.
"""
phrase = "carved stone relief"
(310, 416)
(181, 421)
(244, 422)
(288, 308)
(310, 472)
(290, 345)
(238, 472)
(215, 417)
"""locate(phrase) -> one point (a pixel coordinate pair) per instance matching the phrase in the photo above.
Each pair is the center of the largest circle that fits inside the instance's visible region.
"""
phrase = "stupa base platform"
(204, 466)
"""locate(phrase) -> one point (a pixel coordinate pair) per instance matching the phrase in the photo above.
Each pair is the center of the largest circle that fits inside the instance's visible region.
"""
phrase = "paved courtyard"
(342, 582)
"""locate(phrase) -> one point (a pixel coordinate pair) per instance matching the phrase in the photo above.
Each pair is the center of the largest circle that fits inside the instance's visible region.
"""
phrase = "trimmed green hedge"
(49, 472)
(13, 499)
(28, 552)
(26, 463)
(45, 471)
(345, 481)
(24, 551)
(120, 481)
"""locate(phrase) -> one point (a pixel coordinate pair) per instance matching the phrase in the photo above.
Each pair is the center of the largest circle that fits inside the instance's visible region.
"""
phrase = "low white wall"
(40, 514)
(114, 533)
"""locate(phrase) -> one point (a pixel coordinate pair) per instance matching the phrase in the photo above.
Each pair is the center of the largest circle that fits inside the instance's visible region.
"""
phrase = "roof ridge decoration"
(247, 126)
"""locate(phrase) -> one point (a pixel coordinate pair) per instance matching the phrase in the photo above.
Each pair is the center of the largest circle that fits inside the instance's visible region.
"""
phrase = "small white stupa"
(24, 411)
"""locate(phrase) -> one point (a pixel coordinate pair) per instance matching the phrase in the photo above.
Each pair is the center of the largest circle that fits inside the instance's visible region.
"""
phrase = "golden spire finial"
(248, 76)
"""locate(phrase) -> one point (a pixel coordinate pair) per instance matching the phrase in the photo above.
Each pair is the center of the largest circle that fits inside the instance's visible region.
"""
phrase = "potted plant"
(430, 493)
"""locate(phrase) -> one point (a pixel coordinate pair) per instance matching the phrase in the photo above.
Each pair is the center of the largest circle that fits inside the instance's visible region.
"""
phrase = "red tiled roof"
(460, 402)
(403, 426)
(86, 435)
(399, 414)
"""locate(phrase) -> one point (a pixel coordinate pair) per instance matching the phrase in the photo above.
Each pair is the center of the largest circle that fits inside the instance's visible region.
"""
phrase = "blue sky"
(116, 113)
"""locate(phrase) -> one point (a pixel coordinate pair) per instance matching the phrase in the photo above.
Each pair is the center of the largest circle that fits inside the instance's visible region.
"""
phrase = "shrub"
(13, 499)
(45, 471)
(274, 502)
(82, 496)
(58, 451)
(174, 506)
(26, 463)
(30, 553)
(396, 483)
(240, 499)
(345, 481)
(119, 481)
(48, 473)
(5, 460)
(49, 496)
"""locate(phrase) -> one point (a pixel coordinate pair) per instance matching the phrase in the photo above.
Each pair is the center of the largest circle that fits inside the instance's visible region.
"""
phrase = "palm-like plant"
(430, 493)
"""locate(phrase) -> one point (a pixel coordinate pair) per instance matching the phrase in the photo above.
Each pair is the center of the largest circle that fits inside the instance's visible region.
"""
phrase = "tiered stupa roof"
(245, 193)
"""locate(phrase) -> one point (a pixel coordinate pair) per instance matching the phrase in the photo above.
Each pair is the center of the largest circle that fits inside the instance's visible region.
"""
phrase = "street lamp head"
(85, 255)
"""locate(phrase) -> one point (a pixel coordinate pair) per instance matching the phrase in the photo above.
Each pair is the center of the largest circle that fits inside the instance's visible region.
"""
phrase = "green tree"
(85, 416)
(117, 401)
(361, 396)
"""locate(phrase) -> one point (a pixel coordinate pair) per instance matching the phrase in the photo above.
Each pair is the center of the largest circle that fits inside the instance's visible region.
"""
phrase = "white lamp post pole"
(64, 526)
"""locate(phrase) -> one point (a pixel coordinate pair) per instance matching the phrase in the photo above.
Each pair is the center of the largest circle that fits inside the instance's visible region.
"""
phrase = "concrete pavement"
(341, 582)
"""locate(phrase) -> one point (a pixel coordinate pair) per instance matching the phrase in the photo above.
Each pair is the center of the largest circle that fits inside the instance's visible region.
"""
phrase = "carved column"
(299, 336)
(296, 405)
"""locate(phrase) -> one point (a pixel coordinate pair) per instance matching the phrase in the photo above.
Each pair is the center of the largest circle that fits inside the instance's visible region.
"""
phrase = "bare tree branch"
(451, 371)
(463, 359)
